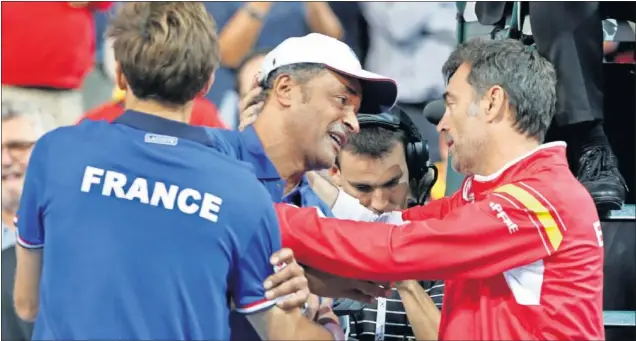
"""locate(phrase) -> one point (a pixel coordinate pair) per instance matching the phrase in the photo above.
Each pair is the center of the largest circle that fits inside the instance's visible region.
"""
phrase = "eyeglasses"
(17, 149)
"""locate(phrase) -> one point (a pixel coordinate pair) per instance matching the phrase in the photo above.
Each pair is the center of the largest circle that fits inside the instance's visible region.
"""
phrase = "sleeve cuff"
(348, 207)
(393, 218)
(27, 245)
(256, 307)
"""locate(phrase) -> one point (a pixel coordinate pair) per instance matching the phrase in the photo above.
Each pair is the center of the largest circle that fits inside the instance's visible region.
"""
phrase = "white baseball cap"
(379, 93)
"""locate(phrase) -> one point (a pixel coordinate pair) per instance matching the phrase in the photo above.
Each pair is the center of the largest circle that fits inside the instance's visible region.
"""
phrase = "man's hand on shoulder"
(289, 280)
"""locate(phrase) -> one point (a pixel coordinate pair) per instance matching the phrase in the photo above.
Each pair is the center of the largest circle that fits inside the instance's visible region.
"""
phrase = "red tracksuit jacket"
(520, 251)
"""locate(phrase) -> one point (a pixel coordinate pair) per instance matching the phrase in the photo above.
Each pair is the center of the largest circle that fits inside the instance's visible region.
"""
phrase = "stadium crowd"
(356, 119)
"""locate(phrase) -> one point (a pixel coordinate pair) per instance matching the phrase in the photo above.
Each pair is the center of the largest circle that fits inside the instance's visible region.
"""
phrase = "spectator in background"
(96, 89)
(410, 42)
(570, 35)
(22, 125)
(47, 51)
(372, 167)
(353, 25)
(249, 26)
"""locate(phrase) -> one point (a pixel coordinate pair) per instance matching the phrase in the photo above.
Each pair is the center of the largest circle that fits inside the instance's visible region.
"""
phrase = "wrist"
(406, 286)
(345, 206)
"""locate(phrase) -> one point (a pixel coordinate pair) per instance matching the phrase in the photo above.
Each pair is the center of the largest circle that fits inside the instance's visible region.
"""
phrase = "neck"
(276, 142)
(504, 151)
(7, 219)
(179, 113)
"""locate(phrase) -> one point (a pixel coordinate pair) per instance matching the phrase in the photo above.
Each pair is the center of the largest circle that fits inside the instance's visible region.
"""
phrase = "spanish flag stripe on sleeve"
(544, 216)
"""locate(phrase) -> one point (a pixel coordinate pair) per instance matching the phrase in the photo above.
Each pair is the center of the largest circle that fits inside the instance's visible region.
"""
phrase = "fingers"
(248, 99)
(313, 305)
(279, 281)
(249, 116)
(285, 282)
(288, 280)
(326, 302)
(371, 289)
(248, 109)
(298, 298)
(325, 308)
(284, 255)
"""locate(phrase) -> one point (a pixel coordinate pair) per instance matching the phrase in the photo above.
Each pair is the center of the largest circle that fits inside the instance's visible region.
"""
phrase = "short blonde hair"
(167, 50)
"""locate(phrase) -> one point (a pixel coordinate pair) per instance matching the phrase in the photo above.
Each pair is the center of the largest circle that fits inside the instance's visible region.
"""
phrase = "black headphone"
(415, 149)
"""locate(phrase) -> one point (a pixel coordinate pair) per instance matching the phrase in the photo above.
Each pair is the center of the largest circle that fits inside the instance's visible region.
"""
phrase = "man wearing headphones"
(385, 166)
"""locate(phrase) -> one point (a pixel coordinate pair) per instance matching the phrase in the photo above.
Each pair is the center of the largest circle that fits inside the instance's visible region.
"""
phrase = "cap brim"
(379, 93)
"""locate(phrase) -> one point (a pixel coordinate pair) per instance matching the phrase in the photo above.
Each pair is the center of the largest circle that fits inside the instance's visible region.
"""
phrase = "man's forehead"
(352, 84)
(18, 129)
(371, 168)
(459, 79)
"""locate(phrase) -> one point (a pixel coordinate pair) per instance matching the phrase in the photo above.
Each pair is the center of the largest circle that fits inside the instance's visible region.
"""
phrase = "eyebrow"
(350, 90)
(393, 179)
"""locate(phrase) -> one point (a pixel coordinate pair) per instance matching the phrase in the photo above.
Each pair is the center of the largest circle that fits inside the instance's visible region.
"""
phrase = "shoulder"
(555, 196)
(225, 141)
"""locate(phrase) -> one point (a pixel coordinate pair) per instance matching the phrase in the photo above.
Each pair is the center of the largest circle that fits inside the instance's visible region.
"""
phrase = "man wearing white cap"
(311, 89)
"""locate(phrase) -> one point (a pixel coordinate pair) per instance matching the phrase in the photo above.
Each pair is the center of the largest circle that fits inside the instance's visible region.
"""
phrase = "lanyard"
(380, 319)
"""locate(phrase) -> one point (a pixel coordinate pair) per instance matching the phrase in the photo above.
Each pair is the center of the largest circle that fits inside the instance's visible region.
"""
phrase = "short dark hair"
(167, 50)
(373, 141)
(528, 79)
(301, 72)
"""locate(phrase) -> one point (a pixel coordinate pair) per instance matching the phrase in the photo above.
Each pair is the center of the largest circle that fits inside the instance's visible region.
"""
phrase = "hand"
(289, 281)
(327, 285)
(311, 309)
(406, 285)
(318, 308)
(324, 188)
(250, 106)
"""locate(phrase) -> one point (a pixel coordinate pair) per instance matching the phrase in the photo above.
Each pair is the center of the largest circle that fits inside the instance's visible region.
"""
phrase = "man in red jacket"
(519, 246)
(47, 50)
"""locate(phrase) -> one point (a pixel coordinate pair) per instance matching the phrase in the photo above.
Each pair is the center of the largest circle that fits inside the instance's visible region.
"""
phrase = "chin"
(324, 160)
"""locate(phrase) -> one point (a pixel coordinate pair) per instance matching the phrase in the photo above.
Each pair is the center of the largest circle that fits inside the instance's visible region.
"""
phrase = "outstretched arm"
(473, 241)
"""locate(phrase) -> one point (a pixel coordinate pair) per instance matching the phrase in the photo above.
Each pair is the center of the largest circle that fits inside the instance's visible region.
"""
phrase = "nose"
(351, 121)
(379, 201)
(443, 123)
(7, 160)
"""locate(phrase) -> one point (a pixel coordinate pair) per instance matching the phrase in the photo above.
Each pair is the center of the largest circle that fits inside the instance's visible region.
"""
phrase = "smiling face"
(463, 124)
(323, 114)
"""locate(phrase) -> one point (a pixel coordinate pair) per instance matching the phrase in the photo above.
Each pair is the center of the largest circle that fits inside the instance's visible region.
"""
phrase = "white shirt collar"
(486, 178)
